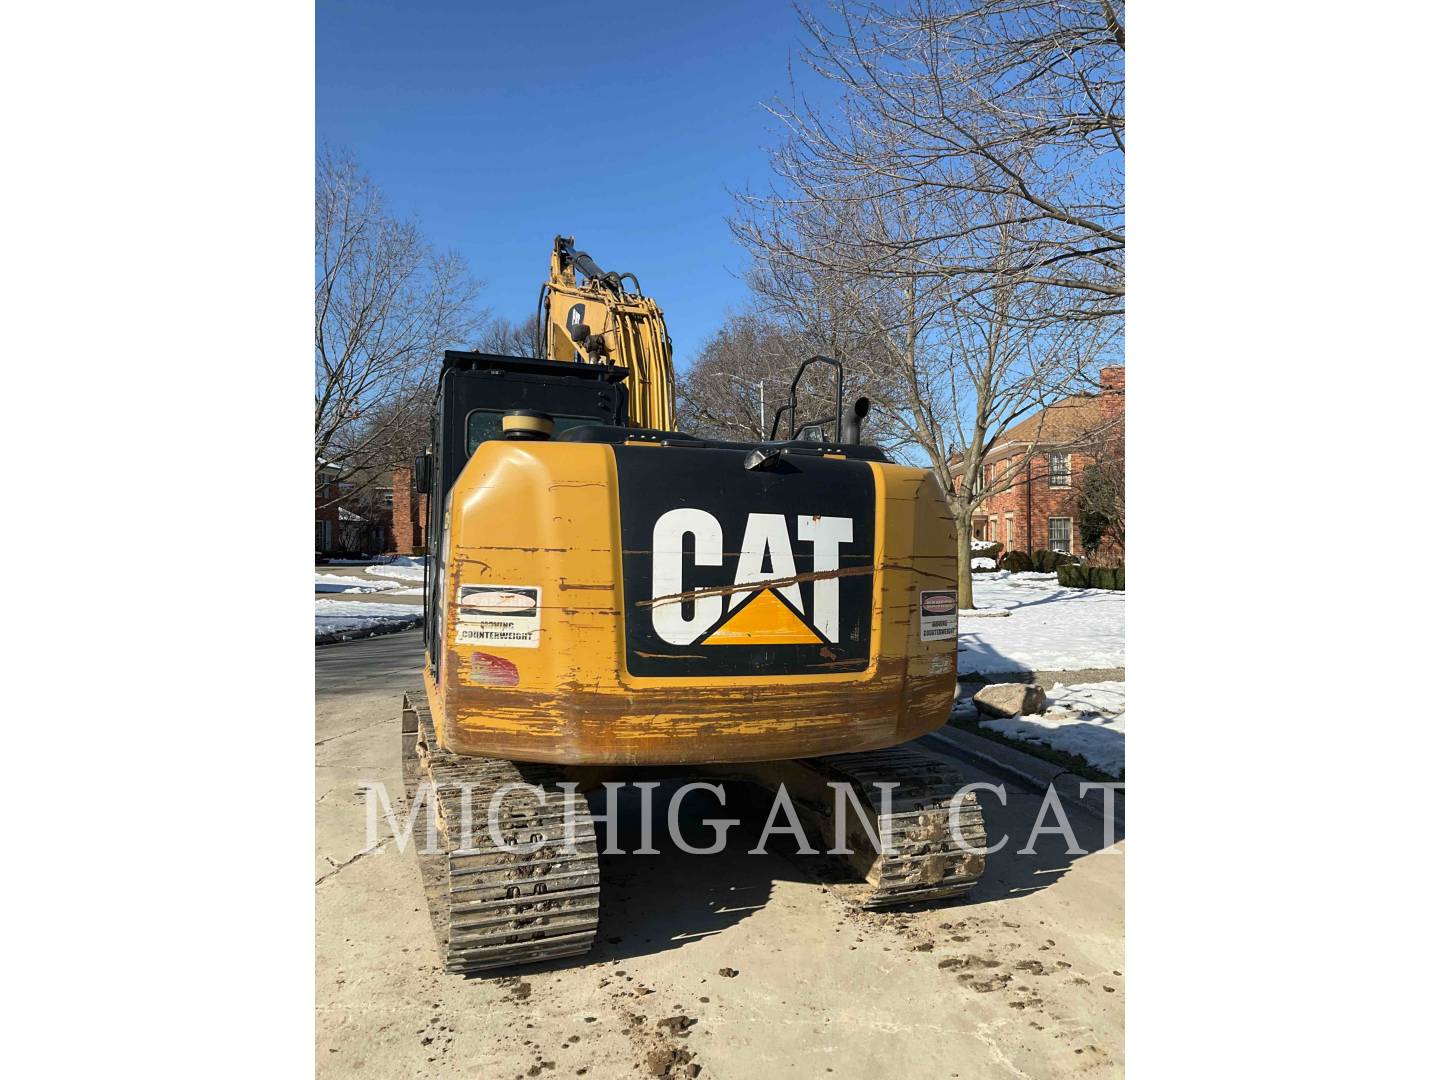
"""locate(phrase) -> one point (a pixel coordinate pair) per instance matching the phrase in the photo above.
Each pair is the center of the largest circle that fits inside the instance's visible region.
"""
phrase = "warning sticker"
(505, 616)
(938, 615)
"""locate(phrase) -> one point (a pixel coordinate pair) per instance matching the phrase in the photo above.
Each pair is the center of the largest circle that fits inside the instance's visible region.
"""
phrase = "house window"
(1059, 470)
(1060, 534)
(1009, 532)
(388, 496)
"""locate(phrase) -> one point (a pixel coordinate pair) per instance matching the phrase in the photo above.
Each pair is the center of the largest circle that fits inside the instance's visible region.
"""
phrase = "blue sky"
(497, 125)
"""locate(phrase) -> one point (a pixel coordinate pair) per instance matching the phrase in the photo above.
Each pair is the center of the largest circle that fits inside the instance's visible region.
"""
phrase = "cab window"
(483, 424)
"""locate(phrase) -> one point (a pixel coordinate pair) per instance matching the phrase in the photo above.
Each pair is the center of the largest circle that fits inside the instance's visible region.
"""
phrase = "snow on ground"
(1087, 720)
(407, 569)
(1048, 628)
(344, 583)
(334, 617)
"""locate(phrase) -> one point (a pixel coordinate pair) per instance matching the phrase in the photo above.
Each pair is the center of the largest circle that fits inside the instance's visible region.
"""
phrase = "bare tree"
(953, 367)
(506, 338)
(386, 306)
(721, 394)
(934, 223)
(1003, 118)
(742, 377)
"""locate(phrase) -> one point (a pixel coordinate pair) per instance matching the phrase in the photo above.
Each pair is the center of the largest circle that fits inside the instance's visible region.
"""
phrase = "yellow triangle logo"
(765, 620)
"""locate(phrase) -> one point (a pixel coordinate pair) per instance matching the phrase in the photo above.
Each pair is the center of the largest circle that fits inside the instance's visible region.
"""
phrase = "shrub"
(1047, 561)
(1017, 562)
(1074, 576)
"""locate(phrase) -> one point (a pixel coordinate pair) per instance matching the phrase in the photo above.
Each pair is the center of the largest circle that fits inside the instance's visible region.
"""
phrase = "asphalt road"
(1024, 978)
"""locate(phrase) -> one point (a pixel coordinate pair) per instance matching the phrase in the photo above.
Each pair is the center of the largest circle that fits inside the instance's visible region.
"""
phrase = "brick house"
(327, 513)
(369, 519)
(1040, 508)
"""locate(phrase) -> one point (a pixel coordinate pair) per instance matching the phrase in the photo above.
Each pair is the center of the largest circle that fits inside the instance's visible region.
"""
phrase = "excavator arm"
(589, 316)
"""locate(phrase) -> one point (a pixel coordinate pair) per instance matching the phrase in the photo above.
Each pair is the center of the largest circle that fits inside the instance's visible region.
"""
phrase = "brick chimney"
(1112, 395)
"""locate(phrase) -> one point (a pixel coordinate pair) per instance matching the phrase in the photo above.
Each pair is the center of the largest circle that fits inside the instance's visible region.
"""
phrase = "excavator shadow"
(655, 902)
(1029, 861)
(650, 903)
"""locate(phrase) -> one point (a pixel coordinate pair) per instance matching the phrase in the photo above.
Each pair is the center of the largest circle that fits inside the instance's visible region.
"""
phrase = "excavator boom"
(589, 316)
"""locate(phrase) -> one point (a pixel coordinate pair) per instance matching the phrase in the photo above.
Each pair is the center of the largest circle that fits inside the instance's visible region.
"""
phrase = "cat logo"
(774, 615)
(770, 572)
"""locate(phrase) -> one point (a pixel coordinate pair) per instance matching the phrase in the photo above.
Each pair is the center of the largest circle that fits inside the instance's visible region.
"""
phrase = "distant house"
(368, 519)
(1040, 507)
(327, 511)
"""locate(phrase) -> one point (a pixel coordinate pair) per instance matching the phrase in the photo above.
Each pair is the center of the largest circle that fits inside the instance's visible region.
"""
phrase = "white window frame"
(1069, 548)
(1059, 480)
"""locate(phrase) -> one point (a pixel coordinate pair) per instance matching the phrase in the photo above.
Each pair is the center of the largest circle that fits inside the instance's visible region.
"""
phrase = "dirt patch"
(677, 1025)
(971, 961)
(517, 988)
(667, 1060)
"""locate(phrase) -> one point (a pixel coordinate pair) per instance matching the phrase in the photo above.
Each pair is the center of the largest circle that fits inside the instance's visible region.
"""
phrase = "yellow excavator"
(605, 593)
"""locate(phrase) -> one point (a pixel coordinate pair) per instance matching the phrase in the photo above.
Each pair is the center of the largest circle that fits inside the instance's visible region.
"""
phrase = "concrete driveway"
(1024, 978)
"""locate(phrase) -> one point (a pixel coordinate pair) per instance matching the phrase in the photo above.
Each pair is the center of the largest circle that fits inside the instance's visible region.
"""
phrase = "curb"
(336, 637)
(1016, 765)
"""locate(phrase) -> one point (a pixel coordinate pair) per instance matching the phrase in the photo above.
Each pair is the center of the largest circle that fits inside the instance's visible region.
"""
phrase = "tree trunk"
(964, 585)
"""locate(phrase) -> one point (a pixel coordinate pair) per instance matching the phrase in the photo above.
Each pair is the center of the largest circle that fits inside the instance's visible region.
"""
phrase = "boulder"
(1010, 699)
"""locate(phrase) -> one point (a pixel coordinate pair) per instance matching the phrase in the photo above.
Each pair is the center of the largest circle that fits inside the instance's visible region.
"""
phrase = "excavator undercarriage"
(535, 896)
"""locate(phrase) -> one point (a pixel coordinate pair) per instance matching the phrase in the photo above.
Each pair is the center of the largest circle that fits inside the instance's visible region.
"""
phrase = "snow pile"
(982, 564)
(404, 568)
(343, 583)
(1087, 720)
(981, 545)
(1049, 628)
(335, 619)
